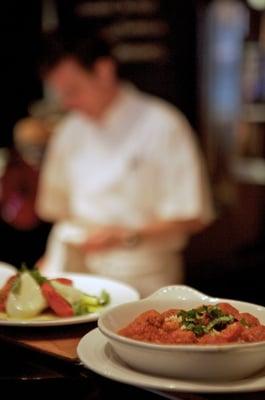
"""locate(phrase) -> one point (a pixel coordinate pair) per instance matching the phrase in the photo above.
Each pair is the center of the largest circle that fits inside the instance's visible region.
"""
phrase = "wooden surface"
(60, 341)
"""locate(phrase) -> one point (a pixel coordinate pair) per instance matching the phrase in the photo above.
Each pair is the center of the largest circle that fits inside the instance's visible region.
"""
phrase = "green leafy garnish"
(199, 330)
(204, 319)
(214, 312)
(220, 322)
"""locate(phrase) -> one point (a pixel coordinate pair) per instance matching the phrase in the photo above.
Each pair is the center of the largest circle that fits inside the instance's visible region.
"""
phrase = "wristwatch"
(132, 240)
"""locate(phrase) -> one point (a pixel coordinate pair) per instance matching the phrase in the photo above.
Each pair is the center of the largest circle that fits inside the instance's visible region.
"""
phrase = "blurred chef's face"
(88, 91)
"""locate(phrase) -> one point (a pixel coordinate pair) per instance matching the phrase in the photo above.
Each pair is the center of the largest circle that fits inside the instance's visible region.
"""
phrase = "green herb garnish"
(220, 322)
(204, 319)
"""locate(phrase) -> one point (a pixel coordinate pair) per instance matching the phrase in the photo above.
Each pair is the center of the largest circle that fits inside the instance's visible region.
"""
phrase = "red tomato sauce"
(207, 324)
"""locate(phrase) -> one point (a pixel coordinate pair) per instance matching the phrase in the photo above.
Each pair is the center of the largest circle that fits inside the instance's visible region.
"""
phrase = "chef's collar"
(119, 110)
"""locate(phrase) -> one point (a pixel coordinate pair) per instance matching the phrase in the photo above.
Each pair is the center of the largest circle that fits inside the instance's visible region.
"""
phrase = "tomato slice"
(64, 281)
(4, 291)
(56, 302)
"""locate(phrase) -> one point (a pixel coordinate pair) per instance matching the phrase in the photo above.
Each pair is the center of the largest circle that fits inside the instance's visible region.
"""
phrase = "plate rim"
(70, 320)
(151, 381)
(7, 267)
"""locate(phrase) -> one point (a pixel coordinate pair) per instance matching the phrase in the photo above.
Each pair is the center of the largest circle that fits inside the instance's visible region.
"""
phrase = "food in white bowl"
(220, 323)
(235, 357)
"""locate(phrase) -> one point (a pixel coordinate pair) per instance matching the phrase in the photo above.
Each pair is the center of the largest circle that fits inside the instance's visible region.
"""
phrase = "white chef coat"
(139, 164)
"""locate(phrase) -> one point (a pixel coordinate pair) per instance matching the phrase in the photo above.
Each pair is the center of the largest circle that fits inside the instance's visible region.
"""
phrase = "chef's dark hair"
(86, 50)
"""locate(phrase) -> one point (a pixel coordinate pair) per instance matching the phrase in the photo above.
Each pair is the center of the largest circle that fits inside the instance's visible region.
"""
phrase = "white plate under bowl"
(96, 353)
(91, 284)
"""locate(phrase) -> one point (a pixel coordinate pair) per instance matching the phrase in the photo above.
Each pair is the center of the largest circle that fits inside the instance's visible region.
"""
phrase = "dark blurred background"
(206, 57)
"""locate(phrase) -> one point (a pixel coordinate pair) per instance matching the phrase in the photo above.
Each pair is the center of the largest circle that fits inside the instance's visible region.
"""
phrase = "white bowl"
(203, 362)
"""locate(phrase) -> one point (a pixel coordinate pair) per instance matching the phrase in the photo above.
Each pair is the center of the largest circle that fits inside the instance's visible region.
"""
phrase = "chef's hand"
(110, 238)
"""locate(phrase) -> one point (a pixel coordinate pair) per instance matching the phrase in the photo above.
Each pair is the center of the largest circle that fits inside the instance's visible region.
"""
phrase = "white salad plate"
(91, 284)
(97, 354)
(6, 270)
